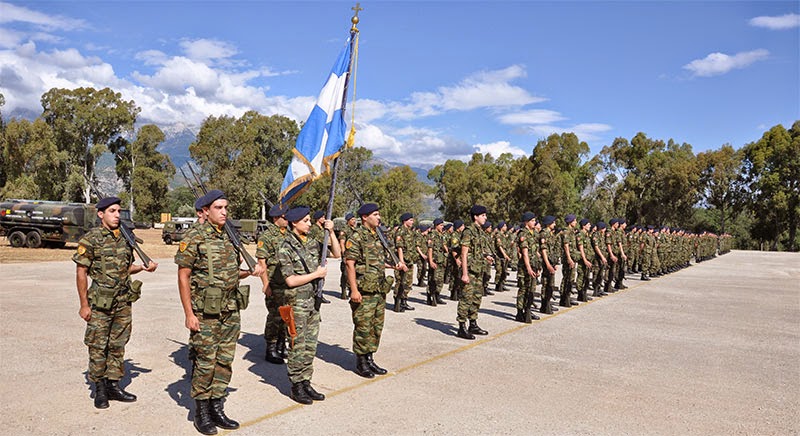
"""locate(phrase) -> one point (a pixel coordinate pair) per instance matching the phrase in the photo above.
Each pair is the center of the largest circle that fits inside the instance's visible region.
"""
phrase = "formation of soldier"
(291, 266)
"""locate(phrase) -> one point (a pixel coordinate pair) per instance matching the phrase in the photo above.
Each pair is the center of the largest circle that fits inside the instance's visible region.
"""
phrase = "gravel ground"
(710, 350)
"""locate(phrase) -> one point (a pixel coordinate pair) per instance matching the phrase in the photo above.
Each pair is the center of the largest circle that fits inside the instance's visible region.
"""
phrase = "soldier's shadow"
(132, 370)
(503, 303)
(271, 374)
(337, 355)
(179, 390)
(446, 328)
(496, 313)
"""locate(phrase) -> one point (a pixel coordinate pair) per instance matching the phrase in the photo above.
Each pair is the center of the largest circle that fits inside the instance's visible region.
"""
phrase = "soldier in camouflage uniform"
(406, 246)
(547, 244)
(527, 268)
(317, 233)
(570, 255)
(648, 248)
(502, 250)
(298, 274)
(584, 259)
(105, 256)
(457, 286)
(448, 232)
(365, 258)
(600, 260)
(421, 239)
(622, 257)
(488, 234)
(475, 260)
(267, 254)
(437, 261)
(344, 234)
(208, 281)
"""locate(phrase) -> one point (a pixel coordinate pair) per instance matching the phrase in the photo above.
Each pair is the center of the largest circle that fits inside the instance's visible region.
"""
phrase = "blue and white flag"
(323, 135)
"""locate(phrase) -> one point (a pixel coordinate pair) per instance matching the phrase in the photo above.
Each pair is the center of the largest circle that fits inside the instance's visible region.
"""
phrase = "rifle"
(127, 233)
(229, 230)
(189, 184)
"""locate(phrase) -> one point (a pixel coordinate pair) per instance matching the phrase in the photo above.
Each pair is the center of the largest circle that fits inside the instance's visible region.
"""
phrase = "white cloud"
(585, 131)
(717, 64)
(533, 116)
(781, 22)
(498, 148)
(207, 50)
(10, 13)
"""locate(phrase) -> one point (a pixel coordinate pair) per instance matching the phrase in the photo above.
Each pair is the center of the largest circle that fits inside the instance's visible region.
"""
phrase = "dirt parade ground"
(713, 349)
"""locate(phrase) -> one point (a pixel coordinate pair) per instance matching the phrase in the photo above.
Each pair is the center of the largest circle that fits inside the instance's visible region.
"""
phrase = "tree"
(180, 202)
(145, 173)
(719, 182)
(84, 121)
(33, 166)
(245, 156)
(397, 191)
(771, 170)
(451, 188)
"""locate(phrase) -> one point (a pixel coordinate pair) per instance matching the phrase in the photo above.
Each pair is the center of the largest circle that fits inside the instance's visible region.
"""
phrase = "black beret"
(621, 220)
(477, 210)
(424, 227)
(569, 218)
(437, 221)
(527, 216)
(549, 219)
(612, 221)
(601, 225)
(108, 201)
(406, 216)
(212, 196)
(317, 215)
(278, 210)
(367, 208)
(487, 224)
(348, 215)
(500, 225)
(297, 213)
(583, 222)
(447, 226)
(198, 204)
(457, 224)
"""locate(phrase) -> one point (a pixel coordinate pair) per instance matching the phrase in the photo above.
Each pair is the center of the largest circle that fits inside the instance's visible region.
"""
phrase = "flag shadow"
(271, 374)
(446, 328)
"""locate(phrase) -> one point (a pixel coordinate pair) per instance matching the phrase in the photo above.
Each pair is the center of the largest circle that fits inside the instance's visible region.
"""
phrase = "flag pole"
(329, 212)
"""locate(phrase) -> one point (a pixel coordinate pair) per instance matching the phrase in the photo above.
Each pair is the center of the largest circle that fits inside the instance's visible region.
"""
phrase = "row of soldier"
(291, 269)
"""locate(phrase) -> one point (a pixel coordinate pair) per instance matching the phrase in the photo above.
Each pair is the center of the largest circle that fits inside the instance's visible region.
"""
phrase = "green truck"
(37, 223)
(175, 230)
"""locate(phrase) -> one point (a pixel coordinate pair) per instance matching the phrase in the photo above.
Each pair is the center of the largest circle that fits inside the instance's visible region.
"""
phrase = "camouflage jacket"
(526, 238)
(438, 242)
(289, 263)
(407, 240)
(364, 247)
(108, 257)
(583, 239)
(267, 248)
(569, 236)
(474, 238)
(547, 245)
(213, 260)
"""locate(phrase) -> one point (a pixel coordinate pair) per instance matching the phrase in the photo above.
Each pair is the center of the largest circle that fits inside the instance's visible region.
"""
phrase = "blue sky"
(436, 80)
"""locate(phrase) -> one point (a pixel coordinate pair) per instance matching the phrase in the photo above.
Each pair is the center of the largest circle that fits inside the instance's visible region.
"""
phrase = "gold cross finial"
(354, 20)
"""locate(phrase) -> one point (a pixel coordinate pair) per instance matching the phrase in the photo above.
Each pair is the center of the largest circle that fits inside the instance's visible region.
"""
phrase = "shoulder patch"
(348, 244)
(184, 244)
(260, 243)
(81, 249)
(521, 239)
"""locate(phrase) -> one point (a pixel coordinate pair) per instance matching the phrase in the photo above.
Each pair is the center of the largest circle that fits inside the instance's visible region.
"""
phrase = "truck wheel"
(16, 239)
(33, 240)
(167, 240)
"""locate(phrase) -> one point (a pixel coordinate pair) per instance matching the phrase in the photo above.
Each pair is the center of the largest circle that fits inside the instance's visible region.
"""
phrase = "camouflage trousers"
(300, 364)
(404, 281)
(107, 332)
(214, 345)
(527, 286)
(470, 298)
(501, 274)
(343, 285)
(274, 327)
(611, 270)
(436, 279)
(548, 287)
(368, 322)
(422, 270)
(582, 278)
(598, 273)
(647, 262)
(567, 276)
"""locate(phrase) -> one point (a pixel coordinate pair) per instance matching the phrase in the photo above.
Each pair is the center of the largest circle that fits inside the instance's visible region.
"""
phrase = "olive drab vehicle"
(35, 223)
(175, 230)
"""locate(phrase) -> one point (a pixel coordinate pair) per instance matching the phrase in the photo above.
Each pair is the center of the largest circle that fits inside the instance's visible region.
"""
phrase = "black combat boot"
(404, 304)
(564, 300)
(644, 277)
(463, 333)
(299, 394)
(398, 306)
(202, 417)
(100, 394)
(116, 393)
(429, 299)
(362, 366)
(520, 316)
(272, 354)
(316, 396)
(374, 366)
(439, 299)
(217, 412)
(475, 329)
(280, 346)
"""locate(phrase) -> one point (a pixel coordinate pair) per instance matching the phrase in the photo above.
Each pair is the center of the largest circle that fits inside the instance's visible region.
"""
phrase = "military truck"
(175, 230)
(37, 223)
(249, 230)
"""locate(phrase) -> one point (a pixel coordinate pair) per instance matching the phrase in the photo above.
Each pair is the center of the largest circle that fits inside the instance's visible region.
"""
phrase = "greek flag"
(323, 135)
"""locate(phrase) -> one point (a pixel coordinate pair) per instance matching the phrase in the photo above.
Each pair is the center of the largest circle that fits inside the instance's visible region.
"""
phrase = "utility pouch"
(135, 292)
(386, 285)
(212, 301)
(103, 297)
(243, 296)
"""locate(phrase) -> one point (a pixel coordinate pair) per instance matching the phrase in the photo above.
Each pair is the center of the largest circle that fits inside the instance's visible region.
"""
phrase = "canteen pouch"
(102, 297)
(212, 301)
(386, 284)
(135, 292)
(243, 296)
